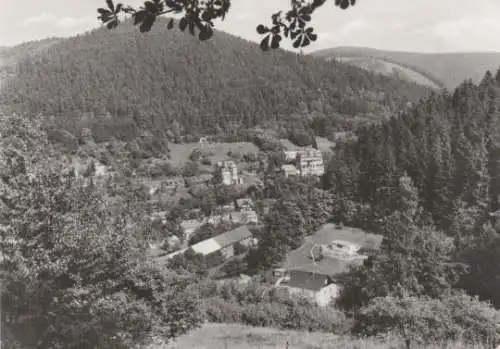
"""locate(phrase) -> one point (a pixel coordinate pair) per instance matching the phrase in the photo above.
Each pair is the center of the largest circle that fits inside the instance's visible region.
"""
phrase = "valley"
(209, 195)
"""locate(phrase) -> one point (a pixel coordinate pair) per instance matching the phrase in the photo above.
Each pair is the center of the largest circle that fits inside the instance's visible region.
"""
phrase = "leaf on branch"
(147, 23)
(345, 4)
(264, 44)
(111, 6)
(174, 6)
(112, 23)
(170, 24)
(139, 17)
(183, 23)
(206, 33)
(109, 17)
(191, 26)
(262, 29)
(275, 41)
(105, 15)
(297, 42)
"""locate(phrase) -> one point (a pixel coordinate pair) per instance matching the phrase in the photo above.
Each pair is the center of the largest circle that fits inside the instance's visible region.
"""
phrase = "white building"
(228, 172)
(291, 154)
(310, 163)
(290, 170)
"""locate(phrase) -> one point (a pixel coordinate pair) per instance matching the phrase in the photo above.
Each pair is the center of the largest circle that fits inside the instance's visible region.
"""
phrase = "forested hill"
(151, 80)
(9, 56)
(449, 145)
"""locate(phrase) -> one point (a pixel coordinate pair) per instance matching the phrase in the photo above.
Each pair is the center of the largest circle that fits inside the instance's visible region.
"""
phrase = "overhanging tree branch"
(199, 16)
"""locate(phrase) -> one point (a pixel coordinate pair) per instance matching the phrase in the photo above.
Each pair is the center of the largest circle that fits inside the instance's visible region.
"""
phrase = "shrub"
(424, 319)
(258, 305)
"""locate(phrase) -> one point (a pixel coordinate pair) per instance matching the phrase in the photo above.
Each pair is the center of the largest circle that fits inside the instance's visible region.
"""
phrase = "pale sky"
(411, 25)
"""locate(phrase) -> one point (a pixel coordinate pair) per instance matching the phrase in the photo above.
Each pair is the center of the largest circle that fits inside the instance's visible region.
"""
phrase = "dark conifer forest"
(154, 80)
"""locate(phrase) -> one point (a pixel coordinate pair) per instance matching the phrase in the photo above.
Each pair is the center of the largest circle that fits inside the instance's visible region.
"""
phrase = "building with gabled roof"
(313, 268)
(224, 243)
(310, 163)
(290, 170)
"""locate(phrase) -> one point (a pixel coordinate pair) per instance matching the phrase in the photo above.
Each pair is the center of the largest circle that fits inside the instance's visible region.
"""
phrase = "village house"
(245, 204)
(223, 243)
(228, 173)
(244, 217)
(311, 270)
(310, 163)
(303, 161)
(290, 170)
(291, 154)
(290, 150)
(227, 208)
(189, 226)
(219, 218)
(174, 182)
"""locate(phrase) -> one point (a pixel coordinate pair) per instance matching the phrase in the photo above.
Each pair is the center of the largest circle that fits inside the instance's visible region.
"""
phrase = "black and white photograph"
(250, 174)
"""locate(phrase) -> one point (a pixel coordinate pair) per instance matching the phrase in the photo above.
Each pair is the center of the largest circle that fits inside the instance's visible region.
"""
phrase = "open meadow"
(179, 153)
(235, 336)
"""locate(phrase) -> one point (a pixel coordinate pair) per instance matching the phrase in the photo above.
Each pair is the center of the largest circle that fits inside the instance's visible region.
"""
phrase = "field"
(324, 145)
(233, 336)
(179, 153)
(385, 67)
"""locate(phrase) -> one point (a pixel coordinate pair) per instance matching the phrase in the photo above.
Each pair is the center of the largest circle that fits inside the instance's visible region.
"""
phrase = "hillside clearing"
(387, 68)
(325, 145)
(235, 336)
(179, 153)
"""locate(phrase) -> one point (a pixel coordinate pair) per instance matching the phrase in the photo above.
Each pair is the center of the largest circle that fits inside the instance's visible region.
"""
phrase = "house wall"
(311, 166)
(324, 296)
(290, 154)
(311, 295)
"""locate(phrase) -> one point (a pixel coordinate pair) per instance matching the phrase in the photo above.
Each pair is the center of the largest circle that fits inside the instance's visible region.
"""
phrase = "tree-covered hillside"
(449, 145)
(166, 79)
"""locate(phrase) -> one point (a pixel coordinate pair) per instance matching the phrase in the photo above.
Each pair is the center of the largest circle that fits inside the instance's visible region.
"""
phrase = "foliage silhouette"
(198, 18)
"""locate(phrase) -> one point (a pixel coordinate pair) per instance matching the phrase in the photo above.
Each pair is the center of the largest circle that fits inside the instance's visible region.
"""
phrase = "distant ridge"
(440, 69)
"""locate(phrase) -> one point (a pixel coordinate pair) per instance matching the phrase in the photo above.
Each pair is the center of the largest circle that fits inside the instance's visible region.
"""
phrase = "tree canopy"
(198, 18)
(73, 265)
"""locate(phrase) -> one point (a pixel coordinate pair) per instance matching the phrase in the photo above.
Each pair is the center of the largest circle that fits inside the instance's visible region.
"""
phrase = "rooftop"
(289, 168)
(244, 201)
(233, 236)
(216, 243)
(288, 145)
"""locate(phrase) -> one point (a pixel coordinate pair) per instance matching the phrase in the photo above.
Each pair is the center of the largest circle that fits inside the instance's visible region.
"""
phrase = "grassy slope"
(233, 336)
(388, 68)
(449, 68)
